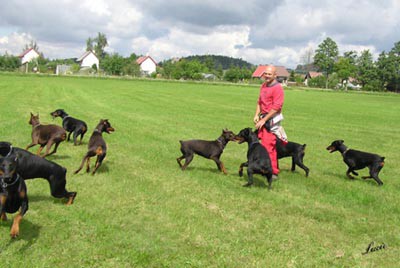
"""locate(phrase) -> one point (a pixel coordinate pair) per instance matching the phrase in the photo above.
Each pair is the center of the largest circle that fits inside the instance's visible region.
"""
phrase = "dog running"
(45, 135)
(71, 125)
(97, 146)
(31, 166)
(294, 150)
(356, 160)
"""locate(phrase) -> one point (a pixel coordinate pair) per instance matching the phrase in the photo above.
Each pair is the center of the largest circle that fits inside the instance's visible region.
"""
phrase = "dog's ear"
(341, 141)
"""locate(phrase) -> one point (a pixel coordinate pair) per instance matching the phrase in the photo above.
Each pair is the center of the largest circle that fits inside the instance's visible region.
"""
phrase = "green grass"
(141, 210)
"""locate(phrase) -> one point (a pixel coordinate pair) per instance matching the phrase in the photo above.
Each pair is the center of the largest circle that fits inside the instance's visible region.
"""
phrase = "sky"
(260, 32)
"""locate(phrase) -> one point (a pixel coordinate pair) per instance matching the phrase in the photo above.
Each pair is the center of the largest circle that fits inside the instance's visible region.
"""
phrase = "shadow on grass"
(55, 157)
(345, 178)
(102, 169)
(28, 231)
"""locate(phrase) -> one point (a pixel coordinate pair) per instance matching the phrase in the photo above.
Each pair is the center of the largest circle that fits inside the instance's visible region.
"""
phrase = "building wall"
(29, 56)
(89, 60)
(148, 66)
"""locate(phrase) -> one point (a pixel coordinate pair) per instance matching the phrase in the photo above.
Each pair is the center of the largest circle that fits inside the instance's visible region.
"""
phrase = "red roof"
(27, 51)
(314, 74)
(280, 71)
(140, 60)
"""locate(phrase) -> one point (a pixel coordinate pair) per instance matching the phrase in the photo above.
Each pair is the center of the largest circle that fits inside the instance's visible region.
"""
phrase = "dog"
(31, 166)
(71, 125)
(97, 146)
(258, 160)
(13, 193)
(45, 135)
(208, 149)
(356, 160)
(294, 150)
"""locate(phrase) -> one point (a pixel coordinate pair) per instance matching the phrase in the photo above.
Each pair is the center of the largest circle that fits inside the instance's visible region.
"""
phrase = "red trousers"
(268, 140)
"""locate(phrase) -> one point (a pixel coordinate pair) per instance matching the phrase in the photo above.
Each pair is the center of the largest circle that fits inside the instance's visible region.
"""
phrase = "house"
(28, 55)
(311, 75)
(282, 75)
(88, 59)
(147, 65)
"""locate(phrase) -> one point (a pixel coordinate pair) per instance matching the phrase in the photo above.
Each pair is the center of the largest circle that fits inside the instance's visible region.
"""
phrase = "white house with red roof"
(88, 59)
(28, 55)
(282, 75)
(147, 64)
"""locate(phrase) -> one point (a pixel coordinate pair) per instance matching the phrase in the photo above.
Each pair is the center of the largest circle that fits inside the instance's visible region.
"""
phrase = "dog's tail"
(81, 166)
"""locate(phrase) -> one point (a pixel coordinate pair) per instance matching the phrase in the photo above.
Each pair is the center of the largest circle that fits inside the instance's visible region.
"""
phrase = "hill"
(217, 61)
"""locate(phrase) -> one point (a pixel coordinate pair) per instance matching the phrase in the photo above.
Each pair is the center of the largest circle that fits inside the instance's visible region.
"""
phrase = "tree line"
(378, 75)
(339, 71)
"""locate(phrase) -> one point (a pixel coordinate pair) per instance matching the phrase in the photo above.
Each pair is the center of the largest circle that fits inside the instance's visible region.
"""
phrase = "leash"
(5, 185)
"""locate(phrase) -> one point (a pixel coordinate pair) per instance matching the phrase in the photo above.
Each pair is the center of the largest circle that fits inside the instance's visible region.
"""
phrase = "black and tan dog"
(97, 146)
(45, 135)
(208, 149)
(356, 160)
(71, 125)
(294, 150)
(258, 161)
(13, 193)
(31, 166)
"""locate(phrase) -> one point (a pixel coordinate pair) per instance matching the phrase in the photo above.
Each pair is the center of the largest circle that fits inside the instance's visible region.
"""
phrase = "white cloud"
(257, 31)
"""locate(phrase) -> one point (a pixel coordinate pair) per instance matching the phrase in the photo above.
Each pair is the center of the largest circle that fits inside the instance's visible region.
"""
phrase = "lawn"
(141, 210)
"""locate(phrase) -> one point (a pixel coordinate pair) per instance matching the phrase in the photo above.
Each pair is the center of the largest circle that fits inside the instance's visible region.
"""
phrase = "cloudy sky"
(260, 32)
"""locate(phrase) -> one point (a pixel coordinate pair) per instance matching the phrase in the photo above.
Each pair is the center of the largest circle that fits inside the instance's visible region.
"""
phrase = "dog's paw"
(247, 184)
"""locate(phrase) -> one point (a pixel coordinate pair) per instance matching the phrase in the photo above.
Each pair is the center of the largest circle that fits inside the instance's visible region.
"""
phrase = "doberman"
(31, 166)
(71, 125)
(294, 150)
(208, 149)
(45, 135)
(258, 161)
(356, 160)
(13, 193)
(97, 146)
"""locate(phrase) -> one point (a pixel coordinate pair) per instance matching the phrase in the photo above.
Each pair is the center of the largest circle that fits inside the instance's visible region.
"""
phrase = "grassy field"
(141, 210)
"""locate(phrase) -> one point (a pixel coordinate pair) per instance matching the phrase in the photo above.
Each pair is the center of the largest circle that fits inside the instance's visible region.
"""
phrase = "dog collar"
(221, 142)
(254, 142)
(65, 117)
(345, 151)
(5, 185)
